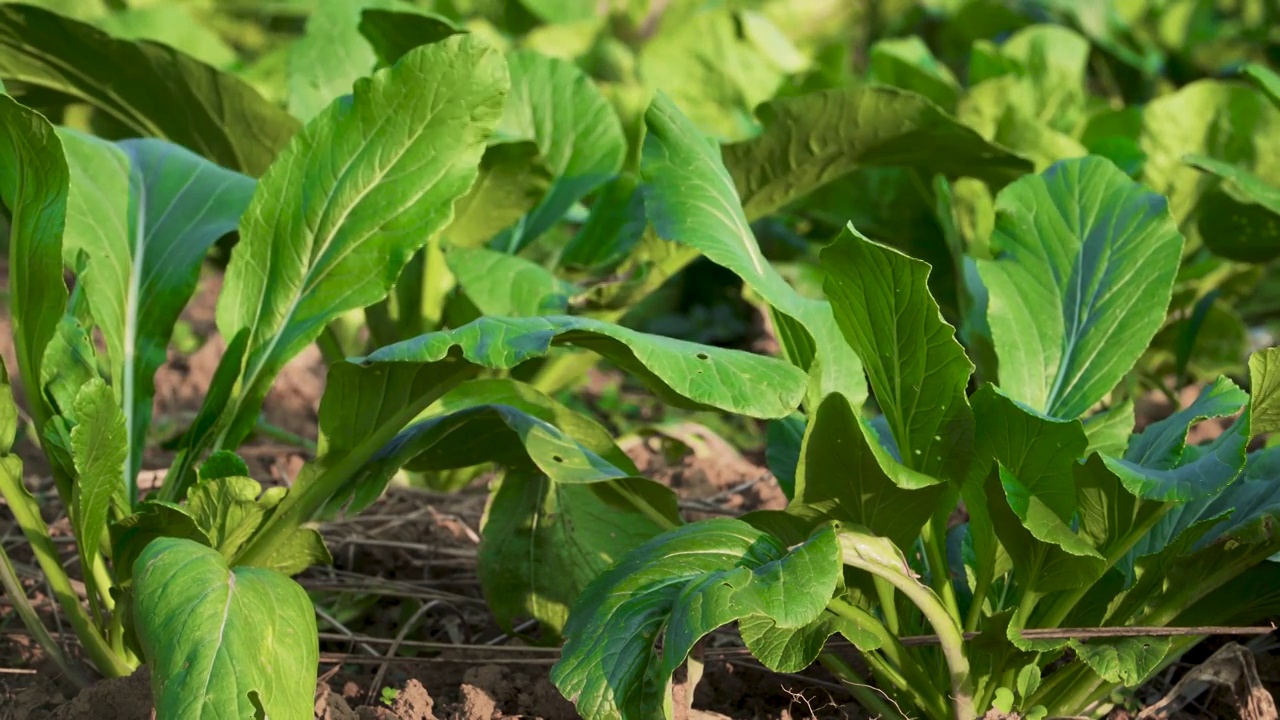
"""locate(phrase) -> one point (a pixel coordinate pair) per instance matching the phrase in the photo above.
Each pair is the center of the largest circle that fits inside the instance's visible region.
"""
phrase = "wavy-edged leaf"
(220, 641)
(782, 453)
(917, 369)
(579, 135)
(1036, 457)
(1108, 431)
(99, 448)
(1125, 661)
(151, 89)
(808, 142)
(507, 285)
(1084, 265)
(1160, 466)
(679, 372)
(1228, 121)
(1240, 221)
(690, 199)
(33, 185)
(790, 650)
(350, 200)
(635, 624)
(845, 474)
(144, 213)
(543, 541)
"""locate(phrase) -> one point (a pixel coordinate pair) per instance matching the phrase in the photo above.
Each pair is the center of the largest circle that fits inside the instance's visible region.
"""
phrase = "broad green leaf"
(150, 89)
(1264, 386)
(144, 213)
(790, 650)
(635, 624)
(227, 510)
(1036, 458)
(1242, 512)
(230, 509)
(783, 447)
(1004, 111)
(220, 641)
(529, 400)
(369, 401)
(175, 26)
(806, 144)
(1084, 266)
(680, 372)
(844, 474)
(1053, 60)
(558, 106)
(222, 464)
(33, 187)
(615, 225)
(1038, 454)
(702, 58)
(476, 435)
(513, 179)
(333, 52)
(151, 519)
(690, 199)
(1229, 122)
(544, 541)
(393, 33)
(507, 285)
(1160, 466)
(99, 449)
(1241, 221)
(908, 63)
(316, 243)
(1109, 430)
(1125, 661)
(917, 369)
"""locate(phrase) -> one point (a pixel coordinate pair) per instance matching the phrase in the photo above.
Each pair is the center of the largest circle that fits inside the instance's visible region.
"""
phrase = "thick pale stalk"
(879, 557)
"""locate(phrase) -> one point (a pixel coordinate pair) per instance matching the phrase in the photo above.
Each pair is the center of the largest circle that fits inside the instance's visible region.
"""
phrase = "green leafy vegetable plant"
(1074, 522)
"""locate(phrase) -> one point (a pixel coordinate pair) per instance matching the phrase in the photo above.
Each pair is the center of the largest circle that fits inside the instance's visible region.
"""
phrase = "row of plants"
(465, 224)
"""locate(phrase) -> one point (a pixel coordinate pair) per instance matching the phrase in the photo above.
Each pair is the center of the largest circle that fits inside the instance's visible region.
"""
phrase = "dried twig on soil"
(1231, 666)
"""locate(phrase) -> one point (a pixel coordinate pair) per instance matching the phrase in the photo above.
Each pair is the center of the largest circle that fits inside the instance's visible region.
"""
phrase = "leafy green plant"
(365, 184)
(1073, 522)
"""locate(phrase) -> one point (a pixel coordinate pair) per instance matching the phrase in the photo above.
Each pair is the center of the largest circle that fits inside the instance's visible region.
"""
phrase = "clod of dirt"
(116, 699)
(331, 706)
(413, 703)
(476, 704)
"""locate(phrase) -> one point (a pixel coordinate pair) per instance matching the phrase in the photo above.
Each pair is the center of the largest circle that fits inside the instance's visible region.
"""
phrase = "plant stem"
(311, 492)
(945, 625)
(867, 696)
(435, 284)
(563, 370)
(27, 513)
(275, 432)
(934, 535)
(888, 604)
(22, 604)
(907, 676)
(1064, 603)
(986, 575)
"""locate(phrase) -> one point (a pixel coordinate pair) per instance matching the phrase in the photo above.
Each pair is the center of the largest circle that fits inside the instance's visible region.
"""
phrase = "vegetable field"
(639, 359)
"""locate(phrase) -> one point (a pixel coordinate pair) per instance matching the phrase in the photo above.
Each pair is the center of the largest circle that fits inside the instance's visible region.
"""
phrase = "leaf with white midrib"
(350, 200)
